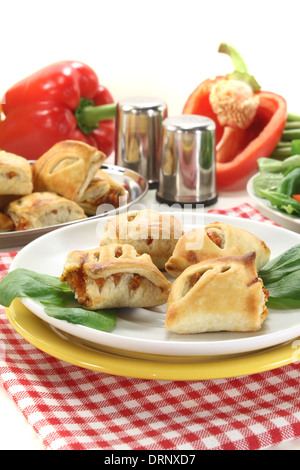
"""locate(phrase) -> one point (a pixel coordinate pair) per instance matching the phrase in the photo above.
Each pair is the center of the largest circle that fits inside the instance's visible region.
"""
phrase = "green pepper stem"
(91, 115)
(237, 60)
(240, 69)
(88, 116)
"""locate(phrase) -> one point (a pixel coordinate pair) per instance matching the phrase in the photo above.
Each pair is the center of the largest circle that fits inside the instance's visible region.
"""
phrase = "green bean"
(293, 117)
(292, 125)
(290, 134)
(282, 152)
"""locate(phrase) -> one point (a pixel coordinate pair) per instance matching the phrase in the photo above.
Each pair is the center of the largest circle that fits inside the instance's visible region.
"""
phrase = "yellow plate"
(144, 366)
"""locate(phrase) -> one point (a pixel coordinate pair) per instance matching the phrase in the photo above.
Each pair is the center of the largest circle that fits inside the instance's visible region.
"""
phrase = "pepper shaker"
(138, 135)
(187, 173)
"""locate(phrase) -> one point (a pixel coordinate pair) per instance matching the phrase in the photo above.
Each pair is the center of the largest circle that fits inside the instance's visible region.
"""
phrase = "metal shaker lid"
(189, 123)
(187, 161)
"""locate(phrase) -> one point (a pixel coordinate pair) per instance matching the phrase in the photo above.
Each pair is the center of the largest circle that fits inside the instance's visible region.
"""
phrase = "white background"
(159, 48)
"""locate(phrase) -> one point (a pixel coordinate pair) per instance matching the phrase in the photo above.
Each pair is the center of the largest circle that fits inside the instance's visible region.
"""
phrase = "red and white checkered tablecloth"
(75, 408)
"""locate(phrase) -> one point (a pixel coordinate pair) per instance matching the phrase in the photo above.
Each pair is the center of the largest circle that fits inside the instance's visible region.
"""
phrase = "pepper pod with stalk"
(63, 101)
(249, 122)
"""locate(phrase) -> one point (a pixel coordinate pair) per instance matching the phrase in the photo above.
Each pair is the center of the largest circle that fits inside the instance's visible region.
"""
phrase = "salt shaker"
(138, 135)
(187, 173)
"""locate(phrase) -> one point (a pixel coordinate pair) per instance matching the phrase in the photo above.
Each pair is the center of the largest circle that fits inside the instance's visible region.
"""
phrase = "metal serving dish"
(135, 185)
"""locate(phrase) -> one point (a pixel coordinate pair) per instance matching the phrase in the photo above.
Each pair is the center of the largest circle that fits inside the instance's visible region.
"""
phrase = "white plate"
(142, 330)
(135, 185)
(291, 222)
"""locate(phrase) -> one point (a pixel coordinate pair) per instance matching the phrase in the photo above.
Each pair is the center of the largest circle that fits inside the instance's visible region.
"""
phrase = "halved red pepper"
(238, 148)
(63, 101)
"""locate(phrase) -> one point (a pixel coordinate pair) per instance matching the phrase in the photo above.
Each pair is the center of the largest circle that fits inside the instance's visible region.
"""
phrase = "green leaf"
(271, 165)
(285, 293)
(281, 201)
(295, 147)
(285, 263)
(281, 277)
(266, 180)
(291, 182)
(56, 297)
(103, 320)
(42, 287)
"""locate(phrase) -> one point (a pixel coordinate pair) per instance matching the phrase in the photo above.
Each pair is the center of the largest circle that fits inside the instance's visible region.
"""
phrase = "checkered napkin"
(72, 408)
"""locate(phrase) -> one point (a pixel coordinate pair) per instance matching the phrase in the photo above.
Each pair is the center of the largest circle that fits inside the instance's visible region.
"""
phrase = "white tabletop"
(17, 434)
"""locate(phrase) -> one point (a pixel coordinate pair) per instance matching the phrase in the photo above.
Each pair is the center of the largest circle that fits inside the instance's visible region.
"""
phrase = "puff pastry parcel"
(223, 294)
(114, 276)
(101, 190)
(38, 210)
(215, 240)
(148, 231)
(67, 169)
(15, 174)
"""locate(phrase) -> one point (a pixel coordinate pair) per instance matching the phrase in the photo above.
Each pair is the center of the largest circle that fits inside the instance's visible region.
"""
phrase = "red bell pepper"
(249, 122)
(63, 101)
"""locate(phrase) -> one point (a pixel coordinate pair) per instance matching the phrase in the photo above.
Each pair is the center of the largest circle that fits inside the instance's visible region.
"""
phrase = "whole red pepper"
(63, 101)
(247, 128)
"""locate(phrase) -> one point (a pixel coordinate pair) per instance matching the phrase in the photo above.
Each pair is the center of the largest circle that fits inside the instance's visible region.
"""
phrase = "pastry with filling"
(223, 294)
(215, 240)
(6, 224)
(67, 169)
(114, 276)
(101, 190)
(148, 231)
(15, 174)
(37, 210)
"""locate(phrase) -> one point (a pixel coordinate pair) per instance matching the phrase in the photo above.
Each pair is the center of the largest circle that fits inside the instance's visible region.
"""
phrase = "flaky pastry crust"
(67, 169)
(213, 241)
(43, 209)
(15, 174)
(148, 231)
(115, 276)
(222, 294)
(101, 190)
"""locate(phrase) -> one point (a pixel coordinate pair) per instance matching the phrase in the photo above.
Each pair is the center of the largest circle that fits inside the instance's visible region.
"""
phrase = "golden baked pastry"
(38, 210)
(223, 294)
(215, 240)
(6, 224)
(67, 169)
(148, 231)
(101, 190)
(15, 174)
(114, 276)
